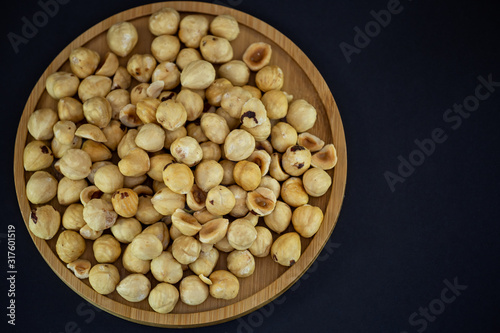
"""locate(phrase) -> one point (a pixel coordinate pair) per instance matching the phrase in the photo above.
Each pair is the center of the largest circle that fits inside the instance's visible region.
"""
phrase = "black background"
(391, 250)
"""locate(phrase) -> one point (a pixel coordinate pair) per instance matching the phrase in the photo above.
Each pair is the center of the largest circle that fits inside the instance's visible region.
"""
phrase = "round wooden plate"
(270, 280)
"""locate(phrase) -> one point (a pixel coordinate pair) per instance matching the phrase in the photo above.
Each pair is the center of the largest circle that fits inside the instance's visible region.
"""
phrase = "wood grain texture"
(270, 280)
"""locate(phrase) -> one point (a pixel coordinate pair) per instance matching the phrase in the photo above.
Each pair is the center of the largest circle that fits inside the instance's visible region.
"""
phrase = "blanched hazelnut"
(64, 131)
(293, 192)
(215, 91)
(146, 213)
(186, 56)
(213, 231)
(261, 201)
(262, 159)
(214, 127)
(114, 134)
(171, 136)
(276, 104)
(133, 264)
(164, 21)
(99, 214)
(174, 232)
(166, 202)
(307, 220)
(141, 67)
(125, 229)
(168, 73)
(75, 164)
(257, 55)
(89, 193)
(155, 89)
(97, 111)
(240, 209)
(301, 115)
(216, 50)
(279, 219)
(92, 132)
(203, 216)
(283, 136)
(192, 103)
(275, 169)
(316, 182)
(186, 150)
(41, 187)
(296, 160)
(106, 249)
(269, 77)
(127, 143)
(241, 234)
(94, 86)
(192, 28)
(83, 61)
(151, 137)
(37, 156)
(44, 222)
(205, 263)
(160, 230)
(134, 288)
(254, 91)
(252, 218)
(220, 200)
(72, 218)
(104, 278)
(166, 269)
(260, 132)
(241, 263)
(228, 167)
(97, 151)
(208, 174)
(139, 92)
(165, 47)
(70, 109)
(211, 151)
(253, 113)
(195, 198)
(146, 109)
(58, 149)
(163, 298)
(225, 285)
(262, 244)
(233, 100)
(171, 115)
(108, 65)
(194, 131)
(272, 184)
(146, 246)
(310, 141)
(70, 246)
(236, 71)
(108, 178)
(193, 291)
(125, 202)
(326, 158)
(96, 166)
(122, 38)
(198, 74)
(41, 123)
(225, 26)
(186, 249)
(286, 249)
(89, 233)
(185, 222)
(239, 145)
(178, 177)
(121, 79)
(158, 164)
(80, 267)
(247, 175)
(135, 163)
(62, 84)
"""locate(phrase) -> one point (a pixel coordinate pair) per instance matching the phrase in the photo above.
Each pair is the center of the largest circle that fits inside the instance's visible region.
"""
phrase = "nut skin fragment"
(122, 38)
(257, 55)
(225, 285)
(134, 287)
(44, 222)
(286, 249)
(70, 246)
(104, 278)
(80, 267)
(41, 123)
(163, 298)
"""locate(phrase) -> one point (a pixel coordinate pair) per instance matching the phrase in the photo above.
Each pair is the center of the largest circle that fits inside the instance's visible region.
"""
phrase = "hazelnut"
(58, 149)
(215, 91)
(260, 132)
(220, 200)
(89, 193)
(269, 77)
(286, 249)
(186, 249)
(192, 28)
(146, 213)
(163, 298)
(97, 151)
(135, 163)
(174, 232)
(41, 123)
(146, 246)
(89, 233)
(225, 26)
(301, 115)
(296, 160)
(195, 198)
(80, 267)
(306, 220)
(193, 290)
(62, 84)
(311, 142)
(165, 47)
(44, 222)
(239, 145)
(141, 66)
(241, 234)
(70, 246)
(178, 177)
(261, 201)
(108, 65)
(122, 38)
(114, 134)
(254, 91)
(104, 278)
(72, 218)
(198, 74)
(272, 184)
(99, 214)
(171, 115)
(75, 164)
(262, 244)
(233, 99)
(94, 86)
(262, 159)
(192, 102)
(214, 127)
(316, 182)
(64, 131)
(216, 50)
(326, 158)
(168, 73)
(164, 22)
(37, 156)
(106, 249)
(158, 163)
(70, 109)
(166, 269)
(247, 175)
(283, 136)
(134, 288)
(186, 56)
(276, 104)
(166, 202)
(41, 187)
(223, 245)
(125, 202)
(139, 92)
(127, 143)
(252, 218)
(236, 71)
(211, 151)
(203, 216)
(213, 231)
(228, 167)
(208, 174)
(257, 55)
(186, 150)
(146, 109)
(205, 263)
(185, 222)
(125, 229)
(91, 132)
(194, 131)
(171, 136)
(133, 264)
(279, 219)
(83, 61)
(155, 89)
(241, 263)
(275, 169)
(293, 192)
(224, 285)
(108, 178)
(151, 137)
(253, 113)
(121, 79)
(160, 230)
(240, 209)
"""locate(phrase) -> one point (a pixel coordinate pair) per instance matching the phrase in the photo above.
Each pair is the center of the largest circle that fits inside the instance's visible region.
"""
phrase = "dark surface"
(391, 251)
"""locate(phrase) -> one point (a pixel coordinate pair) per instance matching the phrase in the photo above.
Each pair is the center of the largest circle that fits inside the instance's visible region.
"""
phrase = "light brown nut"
(254, 91)
(125, 202)
(316, 182)
(121, 79)
(247, 175)
(213, 231)
(301, 115)
(186, 249)
(260, 132)
(307, 220)
(165, 47)
(216, 50)
(72, 218)
(276, 104)
(194, 131)
(257, 55)
(252, 218)
(228, 167)
(59, 149)
(241, 234)
(80, 267)
(253, 113)
(171, 136)
(286, 249)
(94, 86)
(92, 132)
(261, 201)
(174, 232)
(296, 160)
(272, 184)
(97, 151)
(164, 21)
(283, 136)
(41, 187)
(114, 134)
(70, 109)
(236, 71)
(240, 209)
(37, 156)
(262, 244)
(223, 245)
(89, 233)
(70, 246)
(133, 264)
(89, 193)
(262, 159)
(326, 158)
(41, 124)
(75, 164)
(186, 56)
(106, 249)
(158, 164)
(239, 145)
(270, 77)
(163, 298)
(139, 92)
(96, 166)
(225, 285)
(225, 26)
(135, 163)
(64, 131)
(146, 213)
(214, 127)
(108, 65)
(233, 99)
(192, 28)
(160, 230)
(208, 174)
(211, 151)
(151, 137)
(155, 89)
(127, 143)
(310, 141)
(141, 66)
(99, 214)
(83, 61)
(205, 263)
(104, 278)
(44, 222)
(166, 269)
(195, 198)
(220, 200)
(293, 192)
(279, 220)
(166, 202)
(198, 74)
(186, 150)
(203, 216)
(241, 263)
(134, 287)
(125, 229)
(171, 115)
(178, 177)
(193, 291)
(168, 73)
(122, 38)
(62, 84)
(215, 91)
(108, 178)
(185, 222)
(192, 102)
(146, 246)
(275, 169)
(146, 109)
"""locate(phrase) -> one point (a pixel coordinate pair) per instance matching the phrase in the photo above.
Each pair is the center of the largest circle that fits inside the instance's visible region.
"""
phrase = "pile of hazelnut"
(177, 157)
